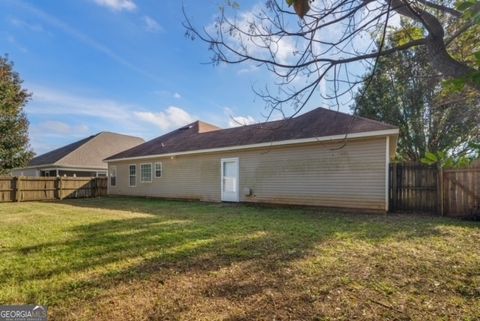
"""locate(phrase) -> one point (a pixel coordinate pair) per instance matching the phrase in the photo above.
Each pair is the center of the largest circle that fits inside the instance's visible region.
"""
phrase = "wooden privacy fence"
(19, 189)
(413, 187)
(452, 192)
(461, 189)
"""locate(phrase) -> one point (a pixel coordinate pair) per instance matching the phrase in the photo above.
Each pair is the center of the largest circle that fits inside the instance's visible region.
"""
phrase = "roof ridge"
(353, 115)
(114, 133)
(374, 121)
(247, 125)
(273, 121)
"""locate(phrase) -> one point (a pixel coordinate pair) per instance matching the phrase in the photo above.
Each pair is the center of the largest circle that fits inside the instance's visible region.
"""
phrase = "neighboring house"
(83, 158)
(321, 158)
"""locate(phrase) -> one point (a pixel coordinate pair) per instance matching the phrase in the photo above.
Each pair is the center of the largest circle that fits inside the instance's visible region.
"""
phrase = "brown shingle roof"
(88, 152)
(316, 123)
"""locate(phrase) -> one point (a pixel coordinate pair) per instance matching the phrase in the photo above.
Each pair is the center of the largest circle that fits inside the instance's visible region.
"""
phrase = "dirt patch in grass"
(137, 259)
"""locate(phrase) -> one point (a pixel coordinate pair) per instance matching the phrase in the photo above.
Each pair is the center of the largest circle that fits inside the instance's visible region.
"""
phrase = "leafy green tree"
(14, 142)
(444, 160)
(407, 92)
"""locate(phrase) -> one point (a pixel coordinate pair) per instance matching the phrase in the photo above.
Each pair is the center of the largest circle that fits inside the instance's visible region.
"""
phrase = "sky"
(122, 66)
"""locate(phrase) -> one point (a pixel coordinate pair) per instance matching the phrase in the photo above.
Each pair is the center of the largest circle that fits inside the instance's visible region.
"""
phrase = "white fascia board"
(61, 167)
(72, 169)
(64, 168)
(276, 143)
(29, 167)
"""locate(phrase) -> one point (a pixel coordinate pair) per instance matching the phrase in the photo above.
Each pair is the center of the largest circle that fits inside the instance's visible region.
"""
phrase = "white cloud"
(249, 69)
(235, 121)
(171, 118)
(53, 102)
(51, 134)
(394, 21)
(168, 94)
(118, 5)
(284, 49)
(61, 113)
(46, 101)
(152, 25)
(53, 127)
(56, 127)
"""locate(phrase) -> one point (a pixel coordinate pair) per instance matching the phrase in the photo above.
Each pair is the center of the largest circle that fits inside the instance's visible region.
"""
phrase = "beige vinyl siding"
(313, 174)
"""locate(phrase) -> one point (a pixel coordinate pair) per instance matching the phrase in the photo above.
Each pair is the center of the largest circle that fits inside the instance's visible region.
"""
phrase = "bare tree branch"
(327, 51)
(441, 7)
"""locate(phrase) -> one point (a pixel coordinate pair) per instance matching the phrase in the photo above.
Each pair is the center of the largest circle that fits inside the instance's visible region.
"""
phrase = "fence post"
(59, 188)
(17, 189)
(440, 193)
(94, 187)
(14, 189)
(394, 186)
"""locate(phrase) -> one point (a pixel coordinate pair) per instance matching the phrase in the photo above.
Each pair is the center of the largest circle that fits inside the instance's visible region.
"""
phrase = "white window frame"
(151, 173)
(161, 169)
(130, 175)
(113, 169)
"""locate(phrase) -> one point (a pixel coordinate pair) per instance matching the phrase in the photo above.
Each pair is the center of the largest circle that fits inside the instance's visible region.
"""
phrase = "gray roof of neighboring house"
(88, 152)
(198, 135)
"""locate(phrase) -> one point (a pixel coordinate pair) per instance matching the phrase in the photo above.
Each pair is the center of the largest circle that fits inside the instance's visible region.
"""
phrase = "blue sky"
(120, 65)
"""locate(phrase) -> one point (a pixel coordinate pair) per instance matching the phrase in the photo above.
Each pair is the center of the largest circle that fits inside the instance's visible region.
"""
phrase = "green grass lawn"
(138, 259)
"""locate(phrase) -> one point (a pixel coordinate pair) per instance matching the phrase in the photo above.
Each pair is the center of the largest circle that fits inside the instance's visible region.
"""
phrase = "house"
(322, 158)
(83, 158)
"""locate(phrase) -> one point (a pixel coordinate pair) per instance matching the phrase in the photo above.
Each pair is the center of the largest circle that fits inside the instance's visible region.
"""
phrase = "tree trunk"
(435, 43)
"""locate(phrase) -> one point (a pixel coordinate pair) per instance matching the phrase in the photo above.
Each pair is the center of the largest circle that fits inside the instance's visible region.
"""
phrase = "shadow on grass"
(172, 238)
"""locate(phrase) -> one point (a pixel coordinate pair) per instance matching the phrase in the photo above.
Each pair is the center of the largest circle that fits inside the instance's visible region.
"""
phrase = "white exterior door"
(230, 180)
